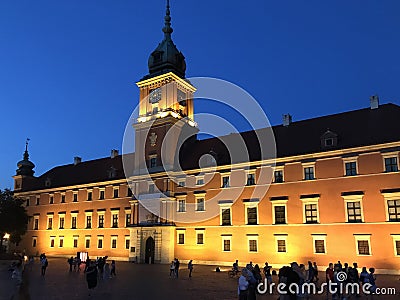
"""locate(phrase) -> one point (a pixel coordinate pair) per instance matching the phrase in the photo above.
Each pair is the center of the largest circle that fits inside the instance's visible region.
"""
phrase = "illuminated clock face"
(155, 95)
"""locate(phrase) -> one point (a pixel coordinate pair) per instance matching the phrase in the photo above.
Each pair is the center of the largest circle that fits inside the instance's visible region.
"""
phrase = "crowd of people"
(299, 274)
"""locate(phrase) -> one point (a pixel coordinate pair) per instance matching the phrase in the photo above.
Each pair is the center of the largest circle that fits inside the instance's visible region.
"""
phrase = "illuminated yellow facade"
(338, 199)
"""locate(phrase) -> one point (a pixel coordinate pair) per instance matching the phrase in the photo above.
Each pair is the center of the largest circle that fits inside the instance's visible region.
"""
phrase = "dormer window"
(157, 56)
(329, 139)
(112, 172)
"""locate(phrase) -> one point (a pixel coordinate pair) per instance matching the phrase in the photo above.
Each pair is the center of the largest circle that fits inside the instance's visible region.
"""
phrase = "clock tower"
(165, 118)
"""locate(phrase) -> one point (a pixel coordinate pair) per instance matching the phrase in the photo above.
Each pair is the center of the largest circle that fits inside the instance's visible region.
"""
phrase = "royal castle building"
(330, 192)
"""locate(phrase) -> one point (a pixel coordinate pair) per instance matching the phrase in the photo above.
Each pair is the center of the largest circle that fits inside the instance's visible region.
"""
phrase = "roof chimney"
(287, 119)
(77, 160)
(374, 101)
(114, 153)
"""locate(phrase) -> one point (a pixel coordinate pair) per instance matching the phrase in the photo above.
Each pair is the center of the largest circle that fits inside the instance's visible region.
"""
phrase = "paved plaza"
(138, 281)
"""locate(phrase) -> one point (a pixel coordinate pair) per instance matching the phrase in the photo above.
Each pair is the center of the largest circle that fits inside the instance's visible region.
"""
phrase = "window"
(75, 197)
(353, 206)
(278, 176)
(62, 198)
(225, 181)
(61, 242)
(363, 244)
(50, 222)
(116, 192)
(200, 204)
(226, 243)
(153, 162)
(310, 210)
(251, 179)
(309, 173)
(61, 220)
(181, 205)
(281, 245)
(226, 216)
(113, 242)
(151, 188)
(75, 242)
(115, 219)
(51, 199)
(354, 212)
(37, 200)
(391, 164)
(52, 238)
(128, 218)
(180, 237)
(200, 181)
(225, 212)
(88, 220)
(181, 183)
(127, 243)
(35, 222)
(319, 241)
(252, 241)
(351, 168)
(396, 244)
(363, 247)
(73, 222)
(251, 215)
(101, 221)
(280, 242)
(34, 241)
(394, 210)
(280, 214)
(129, 192)
(99, 242)
(89, 196)
(102, 195)
(329, 142)
(200, 238)
(87, 242)
(27, 202)
(392, 202)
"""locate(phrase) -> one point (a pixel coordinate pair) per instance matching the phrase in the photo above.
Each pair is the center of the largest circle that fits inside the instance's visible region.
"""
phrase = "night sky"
(68, 68)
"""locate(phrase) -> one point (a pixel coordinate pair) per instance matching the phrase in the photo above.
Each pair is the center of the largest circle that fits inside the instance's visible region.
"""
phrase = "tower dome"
(166, 57)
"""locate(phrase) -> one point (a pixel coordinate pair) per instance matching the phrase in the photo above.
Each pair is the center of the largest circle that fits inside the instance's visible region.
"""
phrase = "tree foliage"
(13, 217)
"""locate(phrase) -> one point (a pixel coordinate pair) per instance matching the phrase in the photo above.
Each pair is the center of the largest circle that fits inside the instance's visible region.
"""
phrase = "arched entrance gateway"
(150, 248)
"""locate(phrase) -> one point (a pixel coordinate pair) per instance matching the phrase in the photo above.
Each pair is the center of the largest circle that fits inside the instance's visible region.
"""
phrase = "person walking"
(91, 276)
(190, 267)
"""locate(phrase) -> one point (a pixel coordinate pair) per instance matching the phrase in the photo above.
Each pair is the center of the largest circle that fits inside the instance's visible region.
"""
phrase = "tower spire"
(25, 166)
(167, 29)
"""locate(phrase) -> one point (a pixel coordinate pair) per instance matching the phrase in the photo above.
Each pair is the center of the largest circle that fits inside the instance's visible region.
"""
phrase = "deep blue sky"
(68, 68)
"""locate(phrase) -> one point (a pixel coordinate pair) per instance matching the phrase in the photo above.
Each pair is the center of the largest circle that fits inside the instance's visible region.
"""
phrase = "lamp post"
(6, 239)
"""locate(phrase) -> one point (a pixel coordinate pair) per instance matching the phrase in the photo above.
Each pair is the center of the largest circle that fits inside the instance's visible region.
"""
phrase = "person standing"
(267, 273)
(172, 269)
(70, 262)
(190, 267)
(44, 263)
(243, 285)
(91, 276)
(177, 263)
(113, 268)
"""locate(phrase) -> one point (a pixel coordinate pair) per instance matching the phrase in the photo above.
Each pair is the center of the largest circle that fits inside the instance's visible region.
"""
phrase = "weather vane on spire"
(26, 143)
